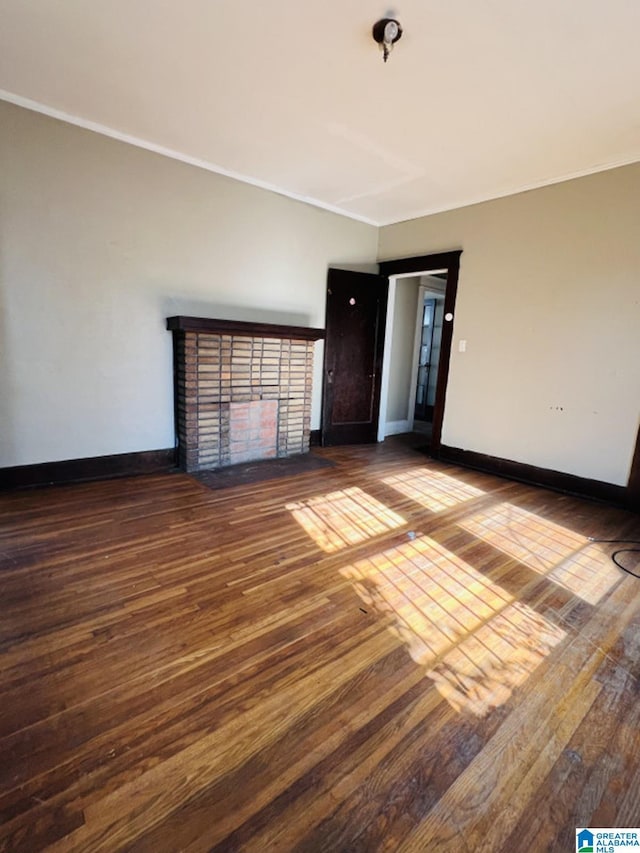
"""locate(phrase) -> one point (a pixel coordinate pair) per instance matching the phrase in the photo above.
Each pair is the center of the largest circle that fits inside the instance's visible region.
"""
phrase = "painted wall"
(100, 242)
(401, 361)
(549, 303)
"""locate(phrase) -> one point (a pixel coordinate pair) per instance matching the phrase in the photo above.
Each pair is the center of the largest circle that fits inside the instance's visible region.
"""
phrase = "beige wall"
(401, 361)
(549, 303)
(102, 241)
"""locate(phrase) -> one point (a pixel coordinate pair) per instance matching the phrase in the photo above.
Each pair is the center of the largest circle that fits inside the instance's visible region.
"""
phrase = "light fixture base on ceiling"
(386, 32)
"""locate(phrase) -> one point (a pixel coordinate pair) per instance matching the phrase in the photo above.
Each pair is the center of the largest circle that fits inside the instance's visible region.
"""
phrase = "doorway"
(438, 275)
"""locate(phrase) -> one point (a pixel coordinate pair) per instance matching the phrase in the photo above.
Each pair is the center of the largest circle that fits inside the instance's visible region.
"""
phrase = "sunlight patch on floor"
(546, 547)
(432, 489)
(483, 671)
(343, 518)
(474, 639)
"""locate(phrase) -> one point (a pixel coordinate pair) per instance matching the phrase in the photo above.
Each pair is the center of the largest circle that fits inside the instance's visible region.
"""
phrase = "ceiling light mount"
(386, 32)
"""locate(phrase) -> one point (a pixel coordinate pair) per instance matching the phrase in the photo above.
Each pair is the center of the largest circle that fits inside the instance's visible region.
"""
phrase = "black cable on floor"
(621, 551)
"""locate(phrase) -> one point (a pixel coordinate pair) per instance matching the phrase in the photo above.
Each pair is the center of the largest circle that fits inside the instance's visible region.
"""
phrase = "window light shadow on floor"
(546, 547)
(342, 518)
(475, 640)
(432, 489)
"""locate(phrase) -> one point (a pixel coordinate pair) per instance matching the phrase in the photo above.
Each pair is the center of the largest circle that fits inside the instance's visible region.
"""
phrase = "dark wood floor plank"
(387, 654)
(280, 775)
(584, 785)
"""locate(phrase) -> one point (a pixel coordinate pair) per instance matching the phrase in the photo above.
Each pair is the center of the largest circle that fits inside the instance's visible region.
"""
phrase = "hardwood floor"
(390, 654)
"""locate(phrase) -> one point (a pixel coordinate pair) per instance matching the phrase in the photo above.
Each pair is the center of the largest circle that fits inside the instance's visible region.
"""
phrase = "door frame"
(410, 268)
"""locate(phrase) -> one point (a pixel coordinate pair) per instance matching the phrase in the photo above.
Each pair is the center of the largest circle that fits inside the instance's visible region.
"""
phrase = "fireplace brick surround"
(242, 390)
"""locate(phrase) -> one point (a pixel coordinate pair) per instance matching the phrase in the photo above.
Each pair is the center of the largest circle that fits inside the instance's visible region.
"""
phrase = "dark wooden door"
(354, 342)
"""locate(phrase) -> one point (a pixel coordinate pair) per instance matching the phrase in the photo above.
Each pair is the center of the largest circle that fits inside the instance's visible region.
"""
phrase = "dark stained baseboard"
(163, 461)
(91, 468)
(315, 438)
(532, 475)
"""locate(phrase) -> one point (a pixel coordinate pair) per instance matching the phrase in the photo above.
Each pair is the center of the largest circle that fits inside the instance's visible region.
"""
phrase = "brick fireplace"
(242, 390)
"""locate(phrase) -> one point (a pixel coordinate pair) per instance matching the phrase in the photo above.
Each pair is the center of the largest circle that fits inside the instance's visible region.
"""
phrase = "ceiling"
(479, 99)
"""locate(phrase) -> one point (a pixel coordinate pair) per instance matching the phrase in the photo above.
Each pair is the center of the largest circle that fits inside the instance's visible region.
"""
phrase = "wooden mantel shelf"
(237, 327)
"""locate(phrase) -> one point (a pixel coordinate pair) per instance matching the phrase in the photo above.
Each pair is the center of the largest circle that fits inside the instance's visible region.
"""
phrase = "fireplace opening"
(253, 431)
